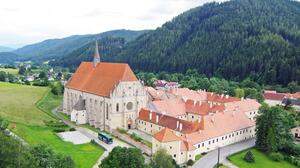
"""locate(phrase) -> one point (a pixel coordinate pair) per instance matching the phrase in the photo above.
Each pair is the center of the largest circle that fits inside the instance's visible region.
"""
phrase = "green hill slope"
(57, 48)
(235, 40)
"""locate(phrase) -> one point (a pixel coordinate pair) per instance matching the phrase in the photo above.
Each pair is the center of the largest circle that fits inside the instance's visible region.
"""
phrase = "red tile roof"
(170, 107)
(274, 96)
(202, 108)
(220, 124)
(166, 135)
(100, 80)
(168, 121)
(213, 97)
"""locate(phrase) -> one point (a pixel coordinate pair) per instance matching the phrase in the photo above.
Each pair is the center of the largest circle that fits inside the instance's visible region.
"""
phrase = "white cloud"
(23, 22)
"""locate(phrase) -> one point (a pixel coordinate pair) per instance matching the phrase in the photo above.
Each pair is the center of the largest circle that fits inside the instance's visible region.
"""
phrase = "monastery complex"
(182, 121)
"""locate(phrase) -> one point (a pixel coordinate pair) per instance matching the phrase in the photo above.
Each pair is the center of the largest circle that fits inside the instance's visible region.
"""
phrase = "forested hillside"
(57, 48)
(108, 48)
(8, 57)
(236, 39)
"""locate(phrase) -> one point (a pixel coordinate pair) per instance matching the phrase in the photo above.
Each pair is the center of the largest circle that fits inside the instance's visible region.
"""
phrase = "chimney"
(150, 115)
(195, 102)
(210, 105)
(157, 118)
(242, 98)
(222, 96)
(177, 124)
(180, 126)
(227, 96)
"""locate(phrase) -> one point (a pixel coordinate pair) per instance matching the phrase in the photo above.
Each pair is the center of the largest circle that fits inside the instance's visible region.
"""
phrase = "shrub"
(190, 162)
(135, 137)
(121, 130)
(72, 129)
(249, 157)
(276, 156)
(59, 130)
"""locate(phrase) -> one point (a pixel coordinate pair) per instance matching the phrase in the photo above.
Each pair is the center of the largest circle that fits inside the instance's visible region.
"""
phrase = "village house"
(273, 98)
(104, 95)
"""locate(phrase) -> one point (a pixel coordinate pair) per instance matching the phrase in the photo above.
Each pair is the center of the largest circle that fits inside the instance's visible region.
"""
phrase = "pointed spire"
(96, 55)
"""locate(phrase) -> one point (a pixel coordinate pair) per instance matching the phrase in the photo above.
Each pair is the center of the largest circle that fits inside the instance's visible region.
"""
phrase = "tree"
(3, 124)
(22, 70)
(43, 75)
(122, 157)
(239, 92)
(161, 159)
(45, 157)
(249, 157)
(2, 76)
(57, 88)
(14, 154)
(293, 87)
(273, 126)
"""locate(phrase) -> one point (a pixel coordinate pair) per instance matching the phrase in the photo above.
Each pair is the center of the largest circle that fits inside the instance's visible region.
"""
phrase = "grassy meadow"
(10, 70)
(261, 160)
(27, 107)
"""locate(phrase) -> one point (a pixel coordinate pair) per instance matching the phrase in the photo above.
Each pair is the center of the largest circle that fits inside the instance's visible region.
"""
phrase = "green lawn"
(18, 104)
(261, 160)
(10, 70)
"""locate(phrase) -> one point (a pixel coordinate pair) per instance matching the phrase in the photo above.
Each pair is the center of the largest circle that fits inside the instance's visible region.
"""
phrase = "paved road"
(211, 158)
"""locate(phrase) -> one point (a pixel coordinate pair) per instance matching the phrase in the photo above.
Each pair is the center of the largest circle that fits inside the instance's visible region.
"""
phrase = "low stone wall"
(145, 149)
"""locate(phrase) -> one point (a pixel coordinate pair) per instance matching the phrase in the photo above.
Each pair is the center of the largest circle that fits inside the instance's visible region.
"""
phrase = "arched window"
(107, 112)
(117, 107)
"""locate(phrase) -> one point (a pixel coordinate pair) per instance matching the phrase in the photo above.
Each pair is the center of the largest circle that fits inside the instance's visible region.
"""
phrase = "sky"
(25, 22)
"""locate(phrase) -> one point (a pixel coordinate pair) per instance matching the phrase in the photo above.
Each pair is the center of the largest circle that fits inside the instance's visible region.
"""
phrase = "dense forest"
(259, 39)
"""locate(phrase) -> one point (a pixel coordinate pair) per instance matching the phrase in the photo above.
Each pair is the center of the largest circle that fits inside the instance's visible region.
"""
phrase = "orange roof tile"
(170, 107)
(168, 121)
(166, 135)
(220, 124)
(203, 108)
(100, 80)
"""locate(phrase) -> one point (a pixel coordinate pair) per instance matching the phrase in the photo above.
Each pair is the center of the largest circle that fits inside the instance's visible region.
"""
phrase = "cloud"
(24, 22)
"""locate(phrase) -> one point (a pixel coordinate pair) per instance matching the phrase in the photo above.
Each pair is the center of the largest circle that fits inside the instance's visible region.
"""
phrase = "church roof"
(101, 79)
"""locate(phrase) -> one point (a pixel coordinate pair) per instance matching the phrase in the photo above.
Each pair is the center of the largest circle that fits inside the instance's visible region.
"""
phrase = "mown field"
(10, 70)
(261, 161)
(27, 115)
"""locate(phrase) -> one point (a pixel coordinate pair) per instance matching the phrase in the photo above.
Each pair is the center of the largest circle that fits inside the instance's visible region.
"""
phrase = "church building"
(104, 95)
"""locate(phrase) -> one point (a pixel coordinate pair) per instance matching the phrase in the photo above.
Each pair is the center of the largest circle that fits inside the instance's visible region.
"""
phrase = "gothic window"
(117, 107)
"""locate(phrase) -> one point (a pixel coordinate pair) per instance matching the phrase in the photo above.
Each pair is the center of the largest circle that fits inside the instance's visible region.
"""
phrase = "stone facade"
(120, 109)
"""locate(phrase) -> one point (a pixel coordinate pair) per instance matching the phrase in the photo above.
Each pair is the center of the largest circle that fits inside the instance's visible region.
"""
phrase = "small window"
(202, 144)
(174, 155)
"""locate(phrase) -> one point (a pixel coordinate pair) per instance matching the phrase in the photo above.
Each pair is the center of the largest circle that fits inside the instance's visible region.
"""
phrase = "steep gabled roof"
(166, 135)
(100, 80)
